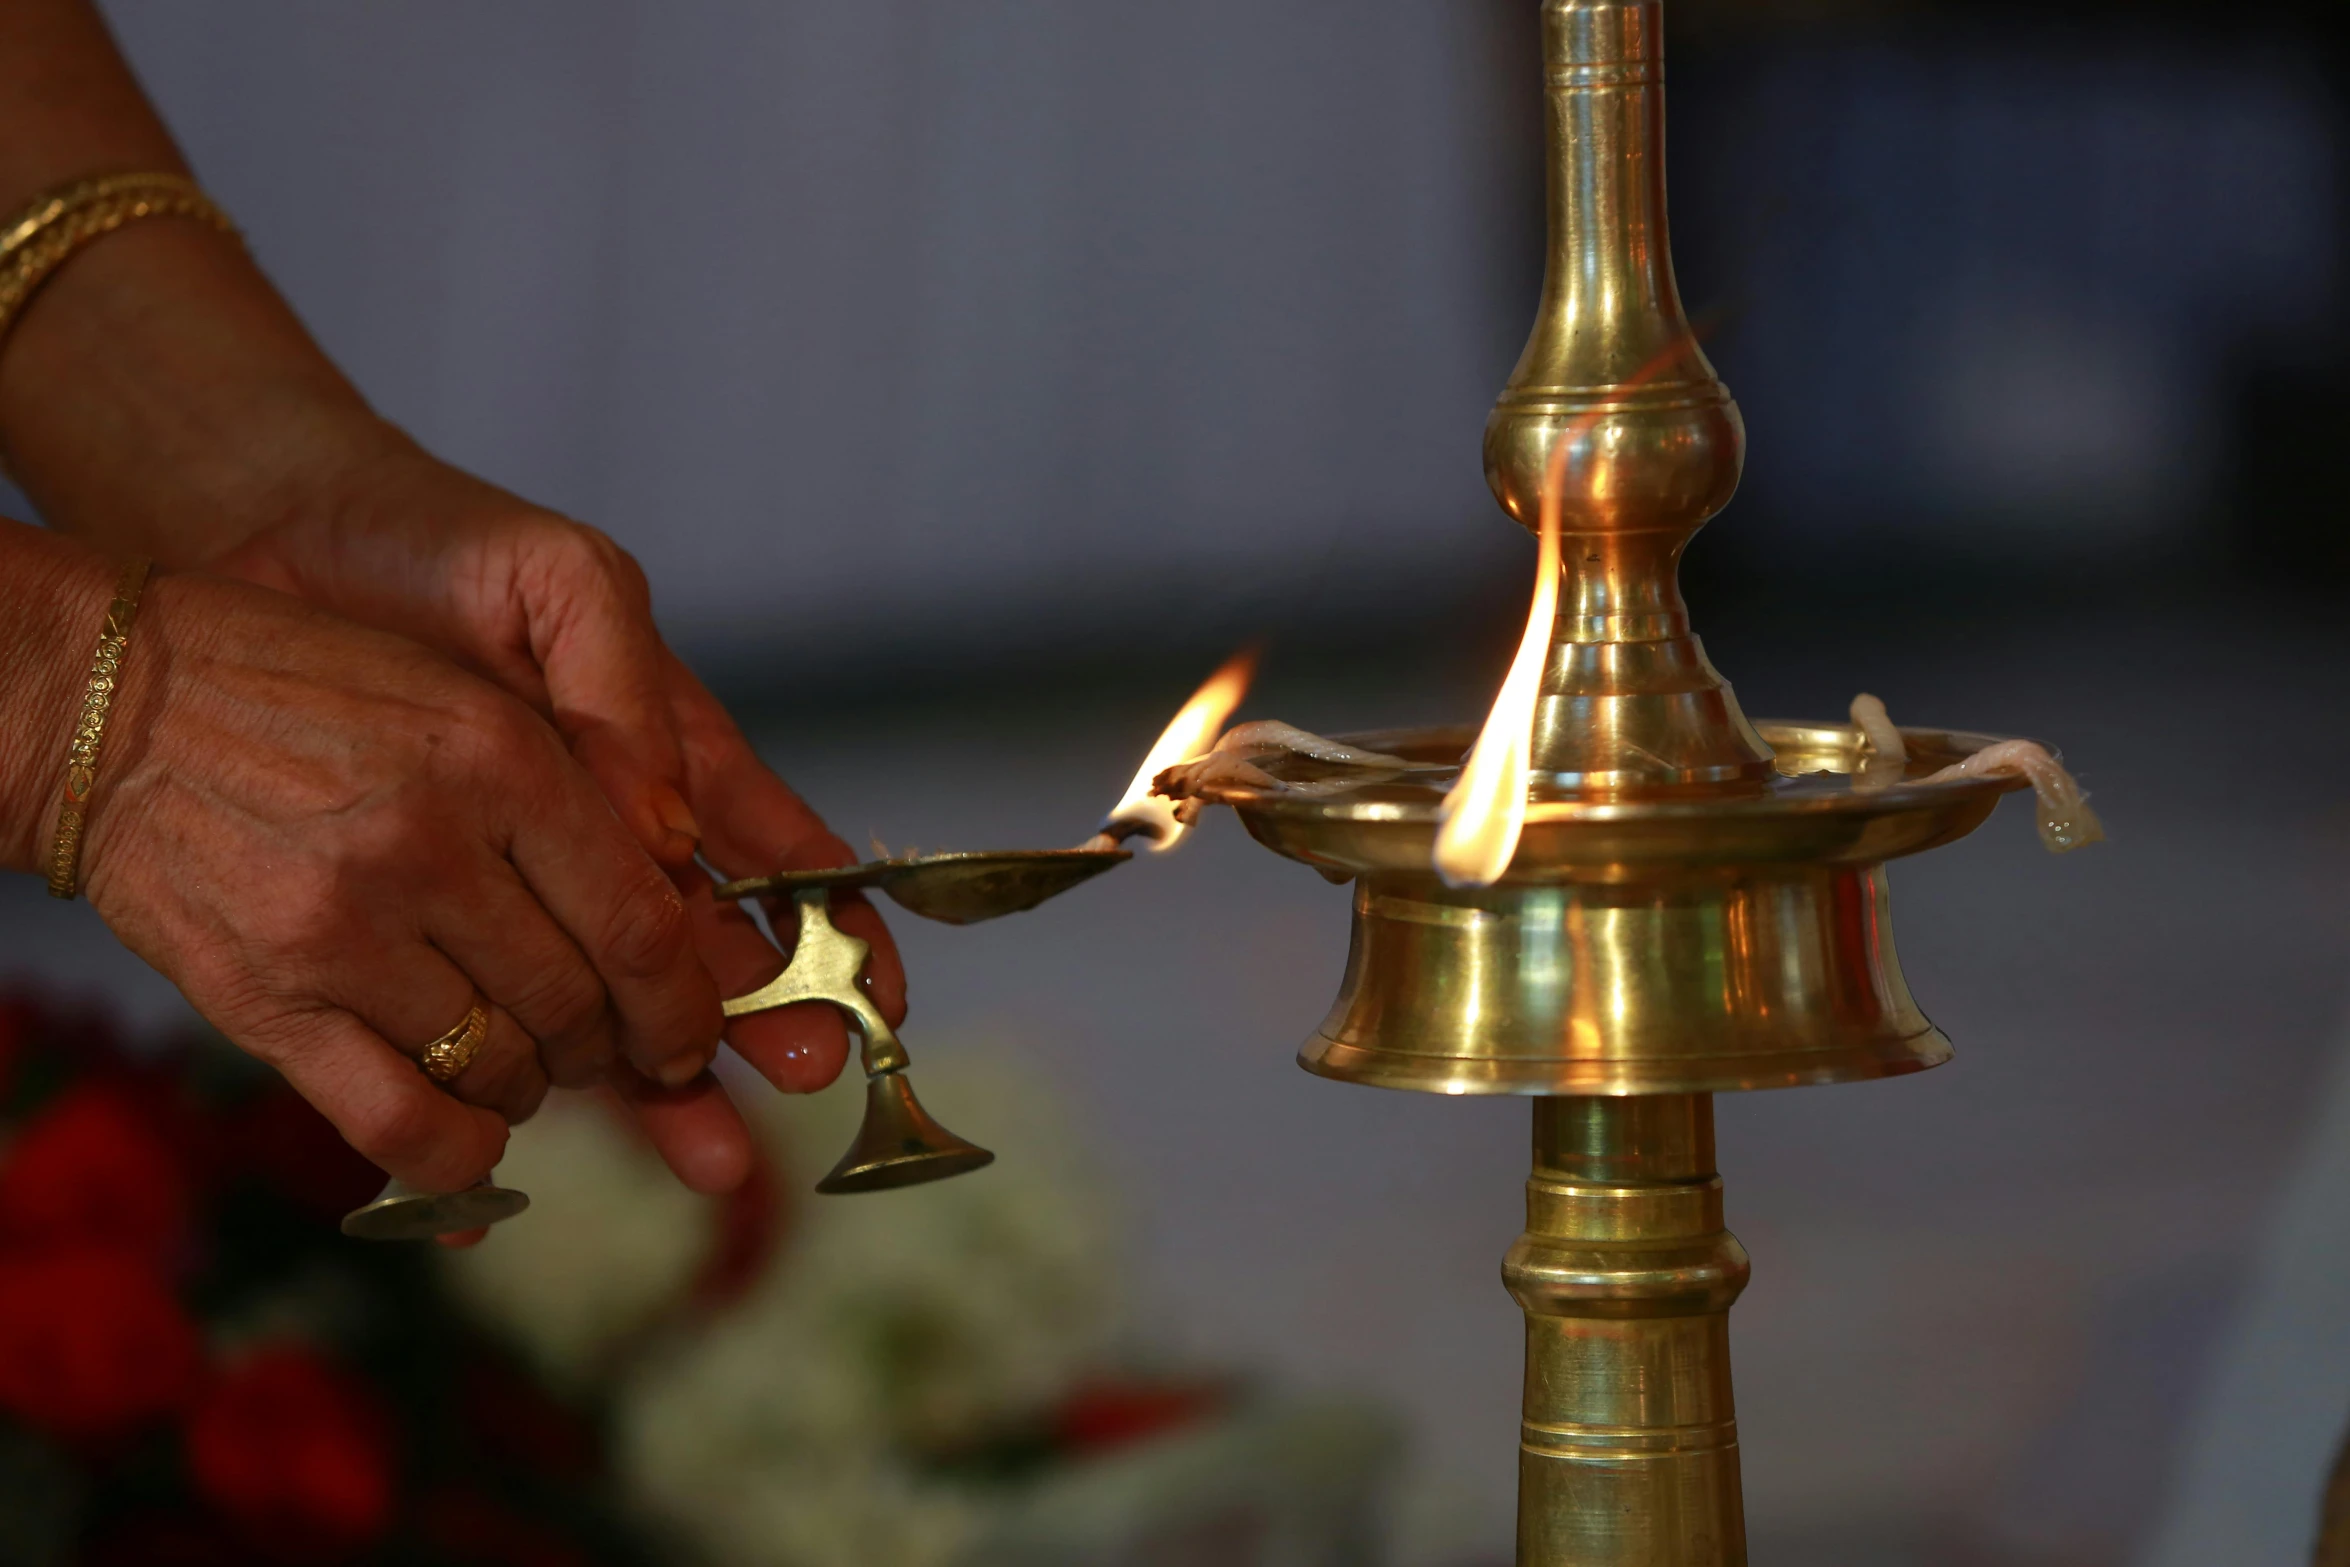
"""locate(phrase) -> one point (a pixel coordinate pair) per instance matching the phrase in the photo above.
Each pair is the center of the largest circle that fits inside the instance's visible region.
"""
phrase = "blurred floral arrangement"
(196, 1368)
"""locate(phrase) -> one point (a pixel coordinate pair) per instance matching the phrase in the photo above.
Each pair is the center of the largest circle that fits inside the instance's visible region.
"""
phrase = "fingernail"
(675, 814)
(681, 1069)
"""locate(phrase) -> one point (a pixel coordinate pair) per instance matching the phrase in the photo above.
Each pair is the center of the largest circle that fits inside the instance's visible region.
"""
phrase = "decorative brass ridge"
(1628, 1454)
(1652, 443)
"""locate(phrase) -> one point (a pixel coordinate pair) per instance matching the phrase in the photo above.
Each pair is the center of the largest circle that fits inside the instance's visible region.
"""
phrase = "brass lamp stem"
(1615, 416)
(1628, 1456)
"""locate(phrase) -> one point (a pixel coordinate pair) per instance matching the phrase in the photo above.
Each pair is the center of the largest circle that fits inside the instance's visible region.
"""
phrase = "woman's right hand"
(329, 839)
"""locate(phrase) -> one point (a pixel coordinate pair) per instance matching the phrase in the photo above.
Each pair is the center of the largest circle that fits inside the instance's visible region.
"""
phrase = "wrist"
(55, 607)
(158, 398)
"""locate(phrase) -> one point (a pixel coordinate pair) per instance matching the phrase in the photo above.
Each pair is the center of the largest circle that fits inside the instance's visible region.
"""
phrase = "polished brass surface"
(402, 1213)
(1628, 1448)
(898, 1144)
(1668, 945)
(1808, 814)
(1685, 986)
(1695, 903)
(1614, 412)
(954, 889)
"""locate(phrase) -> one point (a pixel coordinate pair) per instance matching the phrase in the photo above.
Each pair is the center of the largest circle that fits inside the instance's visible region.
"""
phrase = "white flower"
(790, 1431)
(611, 1242)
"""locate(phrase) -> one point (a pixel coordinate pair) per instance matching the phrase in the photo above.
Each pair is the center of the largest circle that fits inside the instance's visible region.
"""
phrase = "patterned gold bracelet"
(57, 223)
(89, 732)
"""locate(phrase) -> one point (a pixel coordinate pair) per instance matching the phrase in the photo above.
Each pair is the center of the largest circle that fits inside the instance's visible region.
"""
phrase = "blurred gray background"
(971, 378)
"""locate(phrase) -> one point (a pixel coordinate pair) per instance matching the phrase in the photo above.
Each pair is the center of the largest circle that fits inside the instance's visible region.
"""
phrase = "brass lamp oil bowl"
(1573, 973)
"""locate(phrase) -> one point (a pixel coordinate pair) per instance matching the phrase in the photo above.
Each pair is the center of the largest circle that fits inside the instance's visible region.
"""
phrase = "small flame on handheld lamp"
(1485, 810)
(1193, 733)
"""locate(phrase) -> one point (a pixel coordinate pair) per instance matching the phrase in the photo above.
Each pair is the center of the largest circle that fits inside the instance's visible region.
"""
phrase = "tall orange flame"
(1485, 810)
(1191, 734)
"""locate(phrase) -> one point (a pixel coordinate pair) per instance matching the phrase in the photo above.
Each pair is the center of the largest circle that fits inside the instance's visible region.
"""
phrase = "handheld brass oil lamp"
(898, 1143)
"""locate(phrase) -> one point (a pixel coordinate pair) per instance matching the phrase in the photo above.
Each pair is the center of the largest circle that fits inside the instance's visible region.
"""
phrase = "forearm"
(156, 394)
(53, 597)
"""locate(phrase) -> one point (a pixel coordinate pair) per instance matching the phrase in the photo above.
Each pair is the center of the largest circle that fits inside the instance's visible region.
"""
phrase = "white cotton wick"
(1887, 755)
(1233, 764)
(2066, 822)
(1270, 734)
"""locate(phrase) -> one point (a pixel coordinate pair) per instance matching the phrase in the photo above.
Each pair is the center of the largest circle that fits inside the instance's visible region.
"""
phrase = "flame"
(1485, 810)
(1192, 734)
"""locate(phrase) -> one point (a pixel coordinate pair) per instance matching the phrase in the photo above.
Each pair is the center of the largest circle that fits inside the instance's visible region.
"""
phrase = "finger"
(696, 1128)
(503, 939)
(754, 825)
(383, 1106)
(412, 995)
(799, 1049)
(589, 616)
(462, 1239)
(620, 910)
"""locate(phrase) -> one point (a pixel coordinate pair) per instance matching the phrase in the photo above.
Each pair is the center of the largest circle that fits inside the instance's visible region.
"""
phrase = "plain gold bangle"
(89, 731)
(50, 228)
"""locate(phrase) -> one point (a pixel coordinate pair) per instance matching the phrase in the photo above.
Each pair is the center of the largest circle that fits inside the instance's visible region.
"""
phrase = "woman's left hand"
(560, 616)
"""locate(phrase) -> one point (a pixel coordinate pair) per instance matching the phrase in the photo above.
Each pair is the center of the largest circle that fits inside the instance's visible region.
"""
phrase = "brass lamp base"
(899, 1144)
(402, 1213)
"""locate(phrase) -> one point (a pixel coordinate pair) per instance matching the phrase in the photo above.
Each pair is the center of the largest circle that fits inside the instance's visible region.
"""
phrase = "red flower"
(512, 1416)
(163, 1540)
(92, 1168)
(1104, 1416)
(752, 1220)
(278, 1138)
(91, 1342)
(465, 1526)
(294, 1451)
(20, 1022)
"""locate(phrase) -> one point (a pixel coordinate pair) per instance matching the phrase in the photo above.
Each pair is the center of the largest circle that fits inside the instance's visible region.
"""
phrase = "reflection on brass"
(402, 1213)
(954, 889)
(1696, 903)
(1654, 443)
(899, 1144)
(1628, 1452)
(1670, 945)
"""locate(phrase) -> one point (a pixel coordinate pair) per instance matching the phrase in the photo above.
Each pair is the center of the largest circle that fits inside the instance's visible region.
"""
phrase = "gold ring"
(454, 1051)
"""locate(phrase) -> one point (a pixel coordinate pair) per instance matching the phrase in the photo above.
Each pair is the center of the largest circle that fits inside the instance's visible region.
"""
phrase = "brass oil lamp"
(1695, 903)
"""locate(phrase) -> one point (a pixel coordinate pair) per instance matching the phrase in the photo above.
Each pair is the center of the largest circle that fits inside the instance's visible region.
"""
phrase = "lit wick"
(1140, 813)
(1485, 811)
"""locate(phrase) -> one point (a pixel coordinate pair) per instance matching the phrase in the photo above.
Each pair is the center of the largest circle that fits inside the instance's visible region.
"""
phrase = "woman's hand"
(159, 398)
(560, 616)
(330, 839)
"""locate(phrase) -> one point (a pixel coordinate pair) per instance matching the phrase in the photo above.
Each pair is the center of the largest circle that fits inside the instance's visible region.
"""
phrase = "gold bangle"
(89, 732)
(53, 225)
